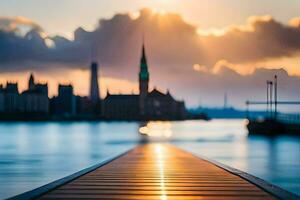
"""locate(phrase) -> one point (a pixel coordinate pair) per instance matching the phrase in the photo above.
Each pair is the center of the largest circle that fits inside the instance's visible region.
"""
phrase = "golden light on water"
(160, 164)
(157, 129)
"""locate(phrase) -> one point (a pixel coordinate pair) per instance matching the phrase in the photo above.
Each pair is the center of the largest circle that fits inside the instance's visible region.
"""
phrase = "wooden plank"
(154, 188)
(158, 171)
(132, 197)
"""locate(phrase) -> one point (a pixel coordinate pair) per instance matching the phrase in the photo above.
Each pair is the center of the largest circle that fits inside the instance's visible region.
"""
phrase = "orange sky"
(179, 46)
(78, 78)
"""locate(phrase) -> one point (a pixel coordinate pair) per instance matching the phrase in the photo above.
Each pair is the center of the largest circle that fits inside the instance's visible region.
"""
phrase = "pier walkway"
(159, 171)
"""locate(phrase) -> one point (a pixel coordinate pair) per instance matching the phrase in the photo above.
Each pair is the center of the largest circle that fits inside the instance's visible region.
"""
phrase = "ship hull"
(272, 127)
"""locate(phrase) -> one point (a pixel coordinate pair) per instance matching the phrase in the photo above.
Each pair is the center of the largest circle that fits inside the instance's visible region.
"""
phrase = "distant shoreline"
(87, 119)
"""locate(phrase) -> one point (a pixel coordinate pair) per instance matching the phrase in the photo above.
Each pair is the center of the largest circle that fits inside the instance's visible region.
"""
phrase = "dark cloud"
(170, 42)
(173, 47)
(261, 38)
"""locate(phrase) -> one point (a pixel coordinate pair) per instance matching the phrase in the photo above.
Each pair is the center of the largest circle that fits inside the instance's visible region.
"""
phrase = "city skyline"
(155, 99)
(35, 103)
(207, 60)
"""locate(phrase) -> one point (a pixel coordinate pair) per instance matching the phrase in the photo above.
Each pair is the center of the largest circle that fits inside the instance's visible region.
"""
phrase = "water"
(34, 154)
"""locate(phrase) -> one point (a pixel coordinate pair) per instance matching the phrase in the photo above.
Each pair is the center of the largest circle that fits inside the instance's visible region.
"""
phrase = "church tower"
(143, 81)
(94, 87)
(31, 84)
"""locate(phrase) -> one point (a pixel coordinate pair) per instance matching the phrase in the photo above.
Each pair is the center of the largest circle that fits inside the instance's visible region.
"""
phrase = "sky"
(198, 49)
(64, 16)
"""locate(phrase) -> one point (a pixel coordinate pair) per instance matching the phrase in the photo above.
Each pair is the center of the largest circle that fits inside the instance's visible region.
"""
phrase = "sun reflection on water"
(157, 129)
(160, 163)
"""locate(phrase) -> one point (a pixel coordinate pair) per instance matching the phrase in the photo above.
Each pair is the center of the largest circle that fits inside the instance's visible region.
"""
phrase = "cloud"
(16, 24)
(209, 88)
(261, 38)
(295, 22)
(170, 41)
(194, 63)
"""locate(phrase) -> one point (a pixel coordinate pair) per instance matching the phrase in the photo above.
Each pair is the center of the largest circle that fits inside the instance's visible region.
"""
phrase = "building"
(65, 103)
(84, 107)
(94, 87)
(34, 103)
(2, 99)
(11, 98)
(154, 105)
(121, 107)
(164, 106)
(143, 82)
(34, 100)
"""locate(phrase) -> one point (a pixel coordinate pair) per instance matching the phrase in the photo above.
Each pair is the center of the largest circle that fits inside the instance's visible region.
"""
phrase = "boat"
(271, 127)
(273, 123)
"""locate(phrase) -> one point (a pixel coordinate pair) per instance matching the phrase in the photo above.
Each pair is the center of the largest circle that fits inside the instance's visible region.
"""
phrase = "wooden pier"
(159, 171)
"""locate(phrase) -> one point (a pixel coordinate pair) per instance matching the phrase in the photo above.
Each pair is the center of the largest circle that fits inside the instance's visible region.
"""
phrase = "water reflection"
(160, 162)
(275, 159)
(33, 154)
(159, 130)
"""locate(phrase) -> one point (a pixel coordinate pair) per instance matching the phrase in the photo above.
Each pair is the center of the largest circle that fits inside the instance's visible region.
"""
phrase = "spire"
(143, 58)
(143, 45)
(31, 79)
(225, 100)
(31, 82)
(144, 74)
(143, 80)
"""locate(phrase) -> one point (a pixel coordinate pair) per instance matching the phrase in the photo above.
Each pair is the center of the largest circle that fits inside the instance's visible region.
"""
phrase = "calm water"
(34, 154)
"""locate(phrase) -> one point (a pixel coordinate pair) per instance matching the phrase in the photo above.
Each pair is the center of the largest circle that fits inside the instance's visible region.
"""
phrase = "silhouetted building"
(143, 82)
(34, 103)
(42, 88)
(11, 98)
(83, 106)
(94, 87)
(146, 105)
(65, 102)
(31, 84)
(2, 99)
(121, 107)
(164, 106)
(35, 99)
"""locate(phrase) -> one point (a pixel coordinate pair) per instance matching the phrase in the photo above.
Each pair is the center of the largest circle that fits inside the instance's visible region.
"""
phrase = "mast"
(275, 97)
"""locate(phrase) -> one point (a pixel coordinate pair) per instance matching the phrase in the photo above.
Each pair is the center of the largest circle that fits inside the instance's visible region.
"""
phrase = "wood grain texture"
(158, 171)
